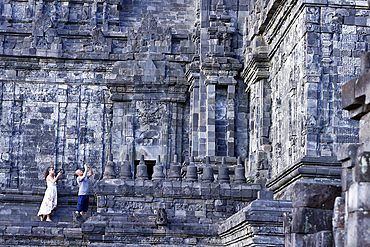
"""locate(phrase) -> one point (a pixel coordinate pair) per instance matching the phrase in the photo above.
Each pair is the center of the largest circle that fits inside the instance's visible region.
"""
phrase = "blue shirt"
(83, 185)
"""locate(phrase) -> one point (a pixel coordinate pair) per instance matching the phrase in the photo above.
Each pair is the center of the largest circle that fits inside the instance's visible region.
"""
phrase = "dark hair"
(47, 172)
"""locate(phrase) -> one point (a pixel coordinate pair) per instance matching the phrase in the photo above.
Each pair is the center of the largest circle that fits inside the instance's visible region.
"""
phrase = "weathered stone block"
(364, 133)
(310, 220)
(346, 178)
(349, 101)
(348, 151)
(357, 229)
(359, 197)
(361, 171)
(314, 195)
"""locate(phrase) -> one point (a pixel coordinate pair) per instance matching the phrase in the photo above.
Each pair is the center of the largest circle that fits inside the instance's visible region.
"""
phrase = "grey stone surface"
(258, 224)
(141, 210)
(260, 80)
(351, 209)
(319, 196)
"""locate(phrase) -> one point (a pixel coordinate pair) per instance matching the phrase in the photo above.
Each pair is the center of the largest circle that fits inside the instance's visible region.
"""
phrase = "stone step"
(40, 233)
(37, 223)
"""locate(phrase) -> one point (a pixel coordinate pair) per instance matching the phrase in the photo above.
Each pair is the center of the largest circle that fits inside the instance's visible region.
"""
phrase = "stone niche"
(149, 97)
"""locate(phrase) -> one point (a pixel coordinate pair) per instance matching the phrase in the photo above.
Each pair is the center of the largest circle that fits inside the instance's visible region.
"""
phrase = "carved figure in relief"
(44, 23)
(161, 218)
(85, 12)
(149, 112)
(98, 40)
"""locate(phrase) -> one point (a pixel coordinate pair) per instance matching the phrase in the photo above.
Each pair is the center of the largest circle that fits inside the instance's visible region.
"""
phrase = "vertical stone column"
(174, 143)
(7, 92)
(356, 163)
(82, 132)
(194, 118)
(230, 129)
(255, 76)
(128, 134)
(167, 139)
(202, 128)
(17, 139)
(210, 120)
(119, 130)
(178, 137)
(61, 134)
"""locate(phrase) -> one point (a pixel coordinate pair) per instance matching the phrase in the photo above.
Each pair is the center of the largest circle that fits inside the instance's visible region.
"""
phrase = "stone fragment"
(358, 233)
(161, 219)
(361, 171)
(338, 222)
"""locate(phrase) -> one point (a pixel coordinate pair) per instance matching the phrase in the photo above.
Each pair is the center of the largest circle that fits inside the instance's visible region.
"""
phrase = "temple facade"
(189, 112)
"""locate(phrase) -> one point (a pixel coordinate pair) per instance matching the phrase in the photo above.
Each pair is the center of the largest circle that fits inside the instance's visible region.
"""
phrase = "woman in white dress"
(50, 198)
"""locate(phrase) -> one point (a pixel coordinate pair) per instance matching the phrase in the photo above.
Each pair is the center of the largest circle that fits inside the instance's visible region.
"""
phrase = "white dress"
(50, 199)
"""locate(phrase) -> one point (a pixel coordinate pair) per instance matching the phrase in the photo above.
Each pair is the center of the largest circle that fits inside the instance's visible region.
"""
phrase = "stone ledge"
(261, 222)
(176, 189)
(316, 168)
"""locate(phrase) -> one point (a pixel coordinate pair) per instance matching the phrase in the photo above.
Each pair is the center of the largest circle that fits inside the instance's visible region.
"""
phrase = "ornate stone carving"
(161, 218)
(98, 40)
(43, 23)
(149, 112)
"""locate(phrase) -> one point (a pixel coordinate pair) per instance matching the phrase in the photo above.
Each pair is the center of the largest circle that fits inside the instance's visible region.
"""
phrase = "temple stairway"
(20, 225)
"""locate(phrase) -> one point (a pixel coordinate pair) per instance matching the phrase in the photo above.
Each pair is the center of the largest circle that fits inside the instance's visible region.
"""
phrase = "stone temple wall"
(297, 59)
(50, 124)
(58, 57)
(231, 88)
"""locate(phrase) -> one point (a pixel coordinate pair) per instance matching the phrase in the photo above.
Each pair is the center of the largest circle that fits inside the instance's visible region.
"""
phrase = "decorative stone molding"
(257, 68)
(307, 168)
(256, 223)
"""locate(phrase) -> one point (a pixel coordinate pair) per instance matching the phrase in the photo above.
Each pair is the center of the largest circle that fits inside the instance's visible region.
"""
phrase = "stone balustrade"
(172, 210)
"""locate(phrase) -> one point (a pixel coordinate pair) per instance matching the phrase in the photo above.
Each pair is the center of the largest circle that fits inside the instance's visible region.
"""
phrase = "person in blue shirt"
(83, 192)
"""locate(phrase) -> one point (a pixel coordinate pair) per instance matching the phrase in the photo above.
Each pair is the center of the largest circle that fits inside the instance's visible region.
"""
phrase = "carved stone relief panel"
(149, 127)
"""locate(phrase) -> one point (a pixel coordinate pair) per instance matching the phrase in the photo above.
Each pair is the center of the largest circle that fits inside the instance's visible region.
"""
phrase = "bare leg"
(48, 217)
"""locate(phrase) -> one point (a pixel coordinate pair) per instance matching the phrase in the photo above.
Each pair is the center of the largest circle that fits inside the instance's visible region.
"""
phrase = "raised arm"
(85, 172)
(52, 179)
(90, 171)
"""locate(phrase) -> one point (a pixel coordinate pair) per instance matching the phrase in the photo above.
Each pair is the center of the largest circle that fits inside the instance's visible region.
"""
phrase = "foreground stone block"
(358, 233)
(359, 197)
(311, 220)
(258, 224)
(314, 195)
